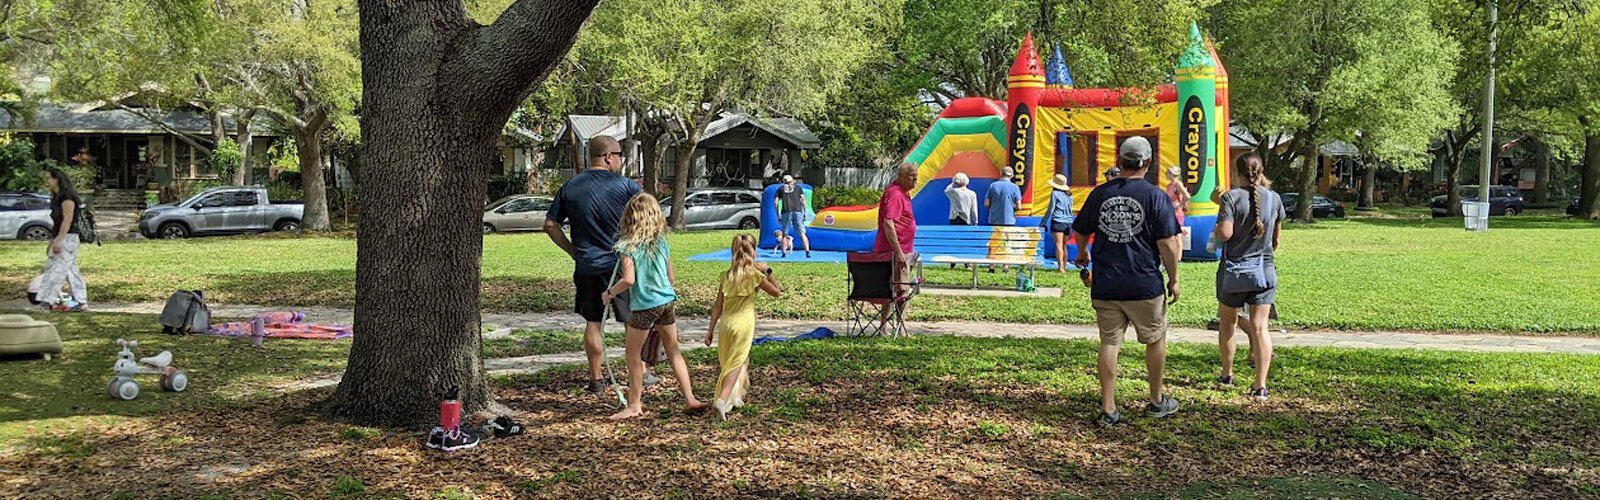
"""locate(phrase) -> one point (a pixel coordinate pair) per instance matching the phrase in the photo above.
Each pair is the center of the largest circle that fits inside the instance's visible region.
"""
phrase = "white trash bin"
(1476, 215)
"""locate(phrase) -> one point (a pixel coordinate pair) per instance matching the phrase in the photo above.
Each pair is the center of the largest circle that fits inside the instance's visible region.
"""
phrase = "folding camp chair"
(877, 303)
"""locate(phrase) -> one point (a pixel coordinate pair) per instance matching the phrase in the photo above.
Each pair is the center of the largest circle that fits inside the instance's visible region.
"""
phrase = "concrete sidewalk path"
(501, 324)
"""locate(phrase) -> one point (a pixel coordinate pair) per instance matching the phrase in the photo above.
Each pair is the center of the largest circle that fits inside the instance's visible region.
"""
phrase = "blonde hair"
(744, 259)
(643, 229)
(1250, 167)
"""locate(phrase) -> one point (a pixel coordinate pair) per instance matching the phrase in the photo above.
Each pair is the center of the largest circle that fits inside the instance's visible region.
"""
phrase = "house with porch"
(131, 152)
(737, 149)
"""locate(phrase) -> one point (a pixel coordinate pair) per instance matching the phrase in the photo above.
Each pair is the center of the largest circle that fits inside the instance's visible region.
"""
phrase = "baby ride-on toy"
(125, 388)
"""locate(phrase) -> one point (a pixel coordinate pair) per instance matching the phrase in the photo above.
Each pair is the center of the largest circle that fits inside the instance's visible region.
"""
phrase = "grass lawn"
(1525, 275)
(43, 398)
(920, 417)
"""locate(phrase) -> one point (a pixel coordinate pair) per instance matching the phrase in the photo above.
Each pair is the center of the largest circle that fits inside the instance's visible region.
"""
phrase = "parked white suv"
(25, 216)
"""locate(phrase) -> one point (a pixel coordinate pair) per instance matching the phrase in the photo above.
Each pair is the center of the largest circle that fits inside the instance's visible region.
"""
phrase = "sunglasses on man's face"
(618, 154)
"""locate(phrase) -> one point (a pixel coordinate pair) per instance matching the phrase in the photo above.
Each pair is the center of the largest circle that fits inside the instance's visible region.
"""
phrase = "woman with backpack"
(61, 259)
(1248, 225)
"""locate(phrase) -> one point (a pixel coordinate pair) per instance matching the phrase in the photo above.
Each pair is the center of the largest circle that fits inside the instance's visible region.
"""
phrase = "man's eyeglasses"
(618, 154)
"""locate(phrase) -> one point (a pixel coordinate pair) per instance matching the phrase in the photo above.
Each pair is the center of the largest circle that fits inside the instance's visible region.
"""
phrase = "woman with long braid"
(1248, 225)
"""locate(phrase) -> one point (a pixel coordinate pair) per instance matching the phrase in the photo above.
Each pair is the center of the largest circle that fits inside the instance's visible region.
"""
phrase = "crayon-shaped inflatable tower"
(1023, 87)
(1198, 133)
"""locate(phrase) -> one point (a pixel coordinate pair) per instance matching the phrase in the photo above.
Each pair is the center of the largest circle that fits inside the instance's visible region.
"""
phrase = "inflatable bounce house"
(1047, 127)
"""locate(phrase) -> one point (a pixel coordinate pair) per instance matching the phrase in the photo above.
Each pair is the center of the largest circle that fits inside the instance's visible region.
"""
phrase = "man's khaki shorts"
(1147, 317)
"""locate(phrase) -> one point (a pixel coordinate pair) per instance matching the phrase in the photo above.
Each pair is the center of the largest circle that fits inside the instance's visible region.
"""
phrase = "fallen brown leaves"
(839, 438)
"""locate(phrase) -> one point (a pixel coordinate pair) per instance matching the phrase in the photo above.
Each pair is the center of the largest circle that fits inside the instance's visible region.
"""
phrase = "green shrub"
(831, 196)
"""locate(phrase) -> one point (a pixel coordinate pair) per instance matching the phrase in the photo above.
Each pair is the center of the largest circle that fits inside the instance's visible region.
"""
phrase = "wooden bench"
(980, 245)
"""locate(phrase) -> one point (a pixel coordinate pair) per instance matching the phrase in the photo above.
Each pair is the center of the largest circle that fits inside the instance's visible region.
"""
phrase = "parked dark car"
(1503, 200)
(1322, 207)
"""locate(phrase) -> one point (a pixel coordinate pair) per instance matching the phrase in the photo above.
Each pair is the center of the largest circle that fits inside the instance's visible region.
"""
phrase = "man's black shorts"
(587, 302)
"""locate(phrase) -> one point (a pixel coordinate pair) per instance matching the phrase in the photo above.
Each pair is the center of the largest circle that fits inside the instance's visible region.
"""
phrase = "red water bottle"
(450, 412)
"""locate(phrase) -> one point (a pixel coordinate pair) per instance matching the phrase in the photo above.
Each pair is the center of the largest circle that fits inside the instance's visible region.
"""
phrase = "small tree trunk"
(308, 145)
(652, 163)
(1369, 180)
(1308, 180)
(1452, 182)
(246, 140)
(680, 183)
(1541, 172)
(1588, 204)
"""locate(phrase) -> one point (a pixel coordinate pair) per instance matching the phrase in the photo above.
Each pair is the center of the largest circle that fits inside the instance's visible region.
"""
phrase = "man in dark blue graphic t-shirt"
(1136, 234)
(591, 203)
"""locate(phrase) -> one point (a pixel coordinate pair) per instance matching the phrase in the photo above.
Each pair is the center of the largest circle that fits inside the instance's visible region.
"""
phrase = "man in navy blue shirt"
(1136, 235)
(591, 203)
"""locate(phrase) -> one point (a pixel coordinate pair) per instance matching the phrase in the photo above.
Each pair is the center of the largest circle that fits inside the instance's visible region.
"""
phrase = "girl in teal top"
(644, 270)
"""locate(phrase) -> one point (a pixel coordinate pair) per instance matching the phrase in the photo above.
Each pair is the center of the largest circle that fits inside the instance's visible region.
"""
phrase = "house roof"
(788, 129)
(87, 119)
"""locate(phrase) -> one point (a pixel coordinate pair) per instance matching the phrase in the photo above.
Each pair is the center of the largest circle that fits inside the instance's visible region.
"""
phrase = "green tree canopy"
(1376, 69)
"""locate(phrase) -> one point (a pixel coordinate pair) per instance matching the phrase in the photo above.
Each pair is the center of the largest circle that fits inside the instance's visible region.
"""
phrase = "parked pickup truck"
(223, 210)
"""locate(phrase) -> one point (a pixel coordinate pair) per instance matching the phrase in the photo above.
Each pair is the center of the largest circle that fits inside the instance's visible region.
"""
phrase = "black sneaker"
(1259, 393)
(1166, 406)
(1225, 380)
(1110, 419)
(808, 254)
(435, 438)
(504, 427)
(1214, 325)
(457, 440)
(597, 386)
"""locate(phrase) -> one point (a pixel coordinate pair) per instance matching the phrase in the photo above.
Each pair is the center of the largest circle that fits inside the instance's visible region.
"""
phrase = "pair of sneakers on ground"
(463, 438)
(1167, 406)
(598, 385)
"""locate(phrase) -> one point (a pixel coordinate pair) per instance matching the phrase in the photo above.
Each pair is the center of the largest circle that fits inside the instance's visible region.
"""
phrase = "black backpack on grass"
(186, 313)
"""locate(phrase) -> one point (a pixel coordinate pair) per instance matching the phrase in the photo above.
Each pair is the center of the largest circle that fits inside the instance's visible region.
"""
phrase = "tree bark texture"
(437, 90)
(1541, 172)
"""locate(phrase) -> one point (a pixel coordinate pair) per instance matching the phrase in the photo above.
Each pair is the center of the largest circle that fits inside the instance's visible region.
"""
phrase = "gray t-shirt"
(1236, 207)
(794, 199)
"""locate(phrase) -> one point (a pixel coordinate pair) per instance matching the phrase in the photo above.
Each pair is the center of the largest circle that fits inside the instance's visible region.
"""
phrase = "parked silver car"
(224, 210)
(25, 216)
(516, 213)
(719, 208)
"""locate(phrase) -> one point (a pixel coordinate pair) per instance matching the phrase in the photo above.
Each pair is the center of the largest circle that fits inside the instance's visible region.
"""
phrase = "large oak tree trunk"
(650, 149)
(437, 90)
(308, 144)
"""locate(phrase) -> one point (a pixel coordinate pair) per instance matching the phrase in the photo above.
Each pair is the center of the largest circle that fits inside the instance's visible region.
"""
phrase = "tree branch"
(502, 61)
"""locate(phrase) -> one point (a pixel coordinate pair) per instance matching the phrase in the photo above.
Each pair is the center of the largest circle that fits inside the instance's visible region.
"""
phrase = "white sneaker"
(723, 407)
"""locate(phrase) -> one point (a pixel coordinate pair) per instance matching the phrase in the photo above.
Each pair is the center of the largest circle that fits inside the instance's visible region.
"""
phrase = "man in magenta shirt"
(897, 226)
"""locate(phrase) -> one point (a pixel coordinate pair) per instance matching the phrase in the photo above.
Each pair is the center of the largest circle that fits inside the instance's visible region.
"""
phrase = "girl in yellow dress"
(735, 313)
